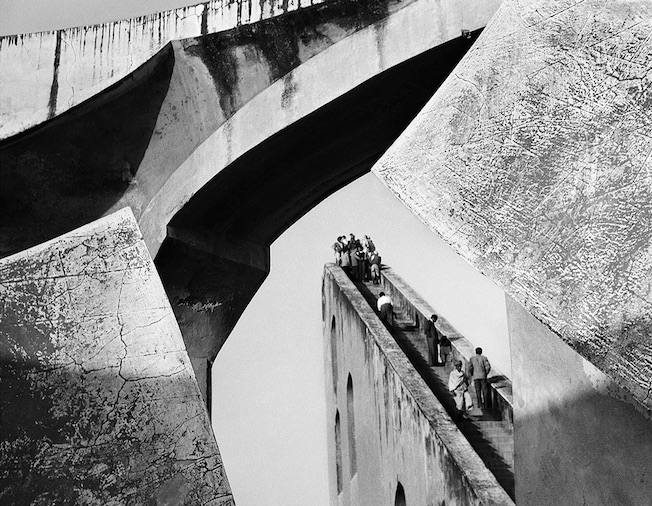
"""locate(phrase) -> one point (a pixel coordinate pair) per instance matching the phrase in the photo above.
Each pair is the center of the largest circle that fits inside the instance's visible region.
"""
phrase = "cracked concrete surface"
(99, 402)
(533, 161)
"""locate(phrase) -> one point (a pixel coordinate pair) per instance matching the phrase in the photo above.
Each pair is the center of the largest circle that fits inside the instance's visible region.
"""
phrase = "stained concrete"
(533, 162)
(201, 142)
(402, 434)
(99, 403)
(48, 73)
(578, 439)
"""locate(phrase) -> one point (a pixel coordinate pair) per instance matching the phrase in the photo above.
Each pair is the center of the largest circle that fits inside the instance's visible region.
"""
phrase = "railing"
(405, 299)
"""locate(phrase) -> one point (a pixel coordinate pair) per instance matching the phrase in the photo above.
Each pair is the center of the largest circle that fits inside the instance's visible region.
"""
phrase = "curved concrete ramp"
(157, 137)
(98, 400)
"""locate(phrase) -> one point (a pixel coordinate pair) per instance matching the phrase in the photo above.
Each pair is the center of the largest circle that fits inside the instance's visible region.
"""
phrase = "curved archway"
(334, 354)
(399, 497)
(350, 422)
(338, 454)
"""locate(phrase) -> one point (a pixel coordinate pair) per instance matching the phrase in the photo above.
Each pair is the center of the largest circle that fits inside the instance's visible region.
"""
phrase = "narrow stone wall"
(405, 298)
(402, 433)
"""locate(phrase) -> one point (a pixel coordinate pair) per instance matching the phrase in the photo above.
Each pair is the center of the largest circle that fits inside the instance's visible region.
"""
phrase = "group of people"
(458, 379)
(358, 258)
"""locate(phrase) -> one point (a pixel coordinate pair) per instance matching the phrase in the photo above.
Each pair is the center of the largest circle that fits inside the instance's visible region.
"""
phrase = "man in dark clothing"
(374, 262)
(432, 337)
(479, 369)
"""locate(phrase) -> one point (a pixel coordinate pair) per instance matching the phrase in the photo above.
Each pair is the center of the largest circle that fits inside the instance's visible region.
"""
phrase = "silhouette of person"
(432, 337)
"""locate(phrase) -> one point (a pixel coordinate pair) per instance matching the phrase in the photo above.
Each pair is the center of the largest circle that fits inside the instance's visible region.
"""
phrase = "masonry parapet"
(406, 299)
(355, 337)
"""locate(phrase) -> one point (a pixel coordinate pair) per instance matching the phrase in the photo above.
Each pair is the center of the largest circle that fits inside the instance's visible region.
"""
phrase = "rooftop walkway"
(491, 434)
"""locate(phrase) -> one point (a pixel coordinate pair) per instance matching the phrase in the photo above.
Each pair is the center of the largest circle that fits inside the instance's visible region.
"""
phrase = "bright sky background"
(268, 392)
(25, 16)
(268, 383)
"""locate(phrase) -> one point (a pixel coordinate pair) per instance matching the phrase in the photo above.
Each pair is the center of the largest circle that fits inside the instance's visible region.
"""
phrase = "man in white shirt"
(386, 309)
(458, 385)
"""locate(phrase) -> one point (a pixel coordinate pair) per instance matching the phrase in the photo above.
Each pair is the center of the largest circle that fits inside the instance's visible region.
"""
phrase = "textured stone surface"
(99, 403)
(577, 438)
(533, 162)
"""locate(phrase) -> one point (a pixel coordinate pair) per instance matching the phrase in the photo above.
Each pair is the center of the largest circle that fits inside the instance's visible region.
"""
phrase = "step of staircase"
(493, 440)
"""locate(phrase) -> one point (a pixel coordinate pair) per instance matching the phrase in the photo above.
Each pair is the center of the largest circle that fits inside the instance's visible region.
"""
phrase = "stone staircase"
(491, 437)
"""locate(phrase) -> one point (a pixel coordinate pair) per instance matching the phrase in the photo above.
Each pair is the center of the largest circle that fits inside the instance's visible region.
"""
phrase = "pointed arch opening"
(350, 418)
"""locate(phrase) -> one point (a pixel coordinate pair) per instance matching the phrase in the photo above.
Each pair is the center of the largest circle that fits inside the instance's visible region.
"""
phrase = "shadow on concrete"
(70, 170)
(435, 377)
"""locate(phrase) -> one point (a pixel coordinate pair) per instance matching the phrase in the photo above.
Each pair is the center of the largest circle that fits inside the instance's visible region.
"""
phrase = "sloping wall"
(578, 438)
(533, 162)
(98, 400)
(402, 433)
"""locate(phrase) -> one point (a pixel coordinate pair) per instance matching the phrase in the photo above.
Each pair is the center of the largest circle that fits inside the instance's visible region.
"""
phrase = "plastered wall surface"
(578, 439)
(99, 403)
(45, 74)
(402, 433)
(533, 162)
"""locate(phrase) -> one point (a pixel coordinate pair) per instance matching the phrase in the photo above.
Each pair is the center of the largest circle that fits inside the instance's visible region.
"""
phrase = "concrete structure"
(532, 161)
(212, 125)
(98, 400)
(386, 428)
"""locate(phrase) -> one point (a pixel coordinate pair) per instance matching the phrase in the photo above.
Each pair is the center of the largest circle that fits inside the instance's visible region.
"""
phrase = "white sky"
(268, 391)
(25, 16)
(268, 383)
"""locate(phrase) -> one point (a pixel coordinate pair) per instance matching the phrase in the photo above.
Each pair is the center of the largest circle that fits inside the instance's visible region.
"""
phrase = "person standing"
(345, 258)
(458, 386)
(353, 251)
(445, 349)
(362, 264)
(479, 369)
(386, 309)
(374, 262)
(432, 337)
(337, 248)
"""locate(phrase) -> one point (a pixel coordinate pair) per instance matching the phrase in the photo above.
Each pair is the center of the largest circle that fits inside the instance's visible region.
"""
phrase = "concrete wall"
(578, 437)
(533, 162)
(63, 68)
(212, 99)
(98, 400)
(157, 138)
(402, 433)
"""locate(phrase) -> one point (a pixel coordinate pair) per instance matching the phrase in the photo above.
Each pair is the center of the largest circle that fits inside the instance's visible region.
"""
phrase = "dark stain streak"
(54, 89)
(204, 20)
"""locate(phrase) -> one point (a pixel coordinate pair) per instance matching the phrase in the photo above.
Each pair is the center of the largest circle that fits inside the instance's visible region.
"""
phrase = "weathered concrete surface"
(577, 438)
(98, 404)
(402, 433)
(533, 162)
(244, 130)
(45, 74)
(156, 138)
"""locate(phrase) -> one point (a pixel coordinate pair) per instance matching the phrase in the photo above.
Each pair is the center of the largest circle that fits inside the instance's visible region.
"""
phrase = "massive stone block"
(99, 403)
(578, 438)
(533, 162)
